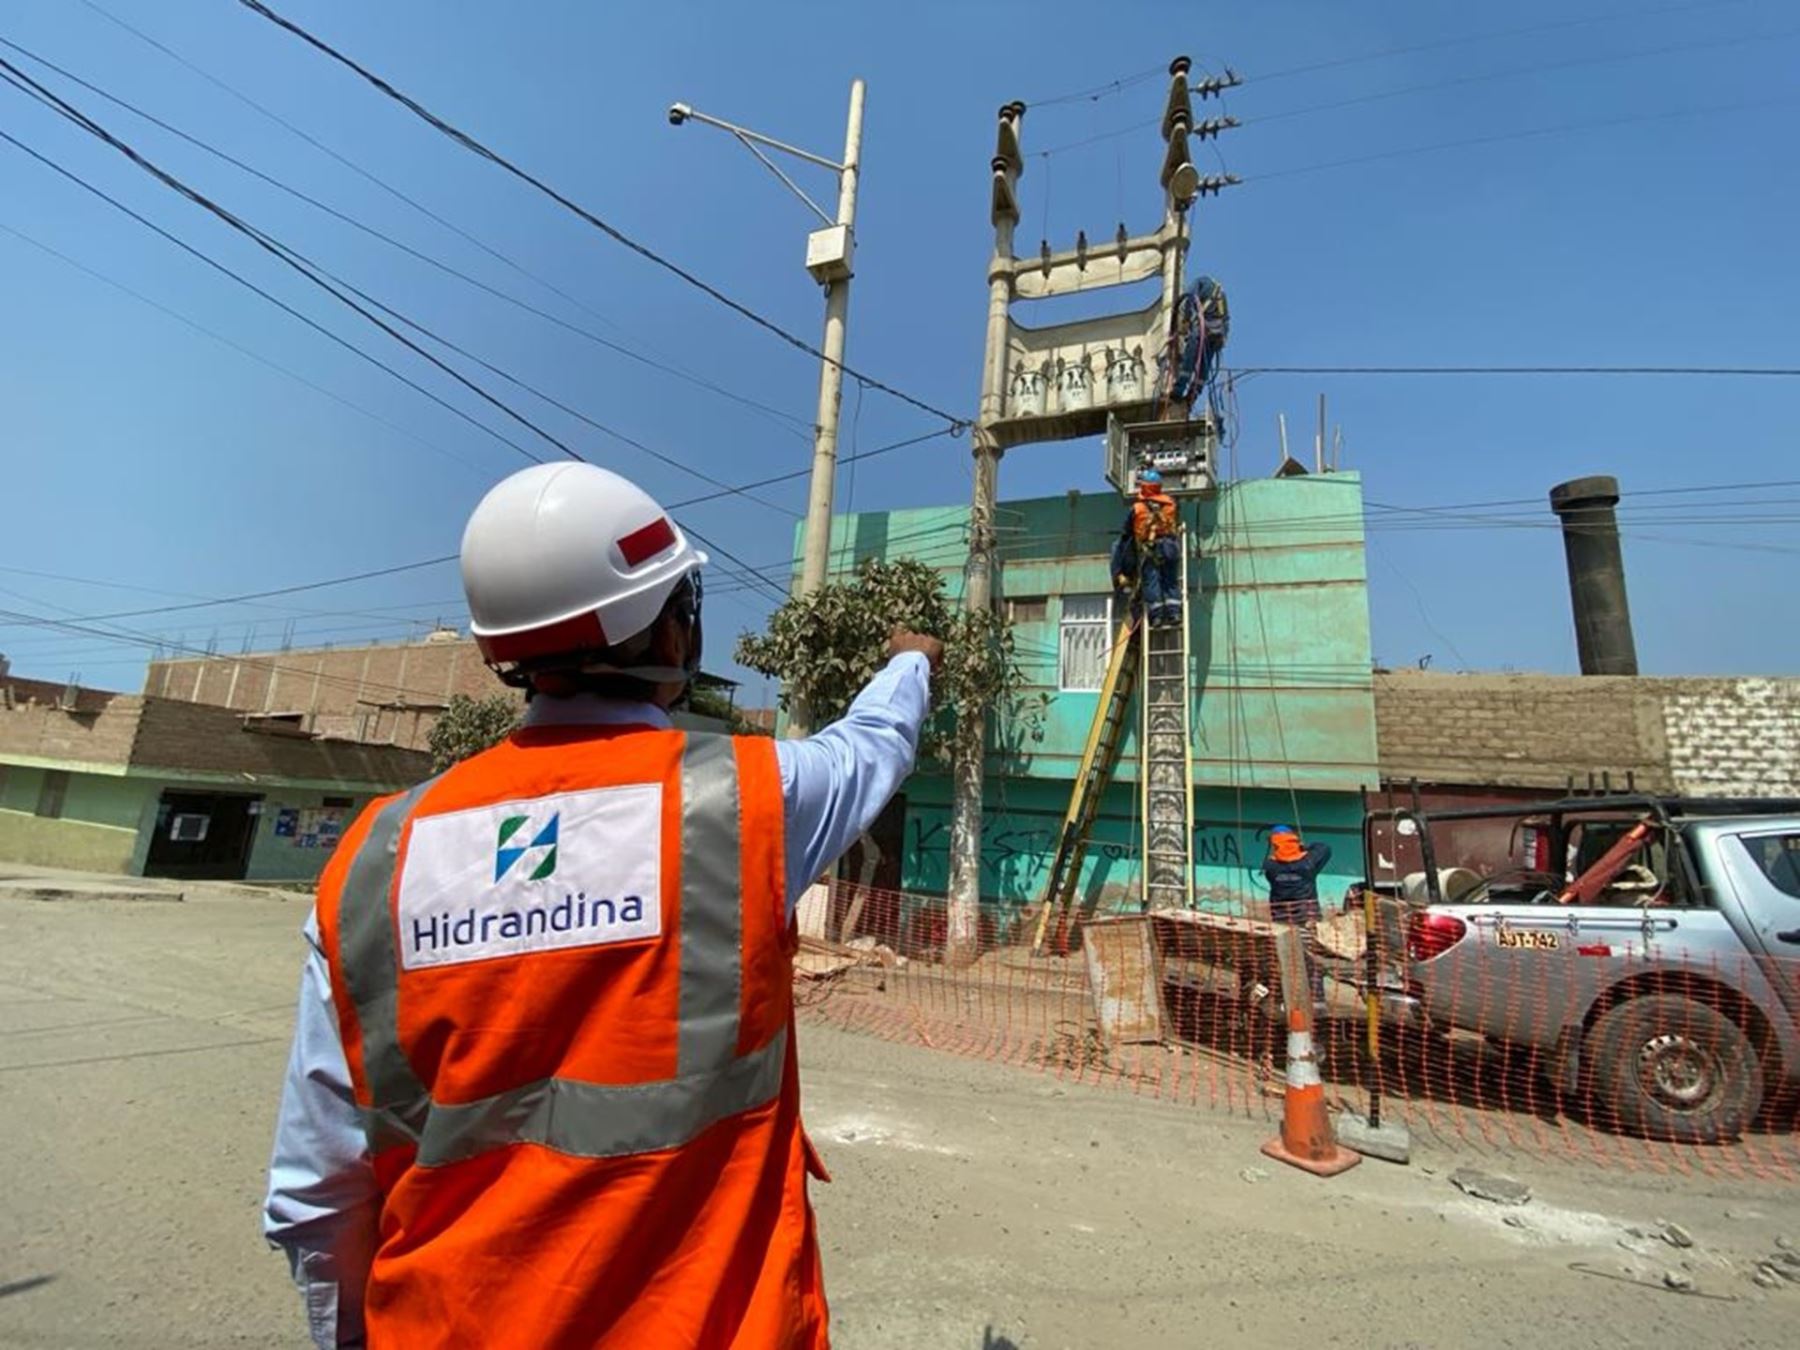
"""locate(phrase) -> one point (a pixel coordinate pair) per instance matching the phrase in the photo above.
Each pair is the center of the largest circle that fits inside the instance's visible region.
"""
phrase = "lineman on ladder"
(543, 1088)
(1154, 527)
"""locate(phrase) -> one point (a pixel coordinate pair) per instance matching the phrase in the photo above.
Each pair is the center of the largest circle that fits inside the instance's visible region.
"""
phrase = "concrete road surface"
(974, 1207)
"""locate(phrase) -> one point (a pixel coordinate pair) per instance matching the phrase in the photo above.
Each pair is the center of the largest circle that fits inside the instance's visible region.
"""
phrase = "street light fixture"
(829, 251)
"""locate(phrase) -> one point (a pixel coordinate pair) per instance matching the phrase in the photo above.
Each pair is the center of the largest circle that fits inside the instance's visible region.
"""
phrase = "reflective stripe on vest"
(371, 968)
(595, 1120)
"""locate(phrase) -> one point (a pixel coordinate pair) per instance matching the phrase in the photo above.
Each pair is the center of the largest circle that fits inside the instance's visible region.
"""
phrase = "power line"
(249, 596)
(1526, 134)
(327, 636)
(1634, 15)
(1781, 371)
(679, 465)
(852, 458)
(245, 282)
(298, 588)
(12, 74)
(762, 570)
(268, 243)
(1098, 91)
(673, 506)
(1123, 82)
(238, 347)
(794, 423)
(469, 143)
(1519, 73)
(1456, 516)
(126, 637)
(384, 185)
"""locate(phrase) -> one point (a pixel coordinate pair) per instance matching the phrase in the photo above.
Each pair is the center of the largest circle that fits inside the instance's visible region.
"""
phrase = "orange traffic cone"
(1306, 1139)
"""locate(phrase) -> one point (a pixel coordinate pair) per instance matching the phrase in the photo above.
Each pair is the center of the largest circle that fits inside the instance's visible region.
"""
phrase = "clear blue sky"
(141, 453)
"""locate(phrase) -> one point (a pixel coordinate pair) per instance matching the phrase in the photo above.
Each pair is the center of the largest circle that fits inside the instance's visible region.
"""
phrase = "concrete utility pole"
(963, 921)
(1061, 382)
(829, 253)
(1596, 574)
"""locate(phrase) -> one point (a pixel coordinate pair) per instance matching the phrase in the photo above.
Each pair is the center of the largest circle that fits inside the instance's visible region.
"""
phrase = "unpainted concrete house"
(147, 786)
(382, 693)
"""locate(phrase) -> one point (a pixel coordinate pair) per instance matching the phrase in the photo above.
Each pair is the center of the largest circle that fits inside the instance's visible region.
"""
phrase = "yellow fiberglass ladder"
(1165, 771)
(1101, 756)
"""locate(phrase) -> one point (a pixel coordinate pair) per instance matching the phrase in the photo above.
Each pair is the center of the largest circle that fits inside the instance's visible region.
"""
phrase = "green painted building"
(1283, 717)
(102, 782)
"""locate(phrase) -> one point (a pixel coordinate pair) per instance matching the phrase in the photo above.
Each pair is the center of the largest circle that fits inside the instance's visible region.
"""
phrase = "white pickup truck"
(1647, 948)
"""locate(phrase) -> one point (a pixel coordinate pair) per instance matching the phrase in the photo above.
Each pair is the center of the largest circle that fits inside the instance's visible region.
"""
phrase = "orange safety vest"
(563, 979)
(1153, 518)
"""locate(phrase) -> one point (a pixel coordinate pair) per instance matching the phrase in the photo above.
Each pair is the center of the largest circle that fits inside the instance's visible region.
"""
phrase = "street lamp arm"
(745, 134)
(750, 144)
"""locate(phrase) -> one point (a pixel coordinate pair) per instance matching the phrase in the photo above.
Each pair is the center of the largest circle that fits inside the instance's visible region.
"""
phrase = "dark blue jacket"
(1297, 880)
(1124, 560)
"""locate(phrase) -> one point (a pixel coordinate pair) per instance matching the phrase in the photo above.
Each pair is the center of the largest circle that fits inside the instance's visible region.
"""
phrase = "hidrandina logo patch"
(542, 847)
(569, 869)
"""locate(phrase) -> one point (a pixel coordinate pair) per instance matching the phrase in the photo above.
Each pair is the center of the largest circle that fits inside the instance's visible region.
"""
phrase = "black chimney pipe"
(1590, 533)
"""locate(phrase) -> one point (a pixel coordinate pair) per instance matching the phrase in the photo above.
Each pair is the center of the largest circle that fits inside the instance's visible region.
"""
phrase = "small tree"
(470, 725)
(826, 646)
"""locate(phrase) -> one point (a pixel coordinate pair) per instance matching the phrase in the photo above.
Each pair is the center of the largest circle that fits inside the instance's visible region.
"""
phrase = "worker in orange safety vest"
(1155, 528)
(544, 1090)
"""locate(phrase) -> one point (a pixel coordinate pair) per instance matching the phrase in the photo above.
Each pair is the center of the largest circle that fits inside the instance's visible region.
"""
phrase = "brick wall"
(97, 732)
(16, 690)
(1734, 737)
(1517, 730)
(199, 738)
(388, 694)
(1689, 735)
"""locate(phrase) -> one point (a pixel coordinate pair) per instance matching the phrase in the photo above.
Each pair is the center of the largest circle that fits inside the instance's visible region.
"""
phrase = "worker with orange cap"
(1292, 869)
(1154, 527)
(543, 1090)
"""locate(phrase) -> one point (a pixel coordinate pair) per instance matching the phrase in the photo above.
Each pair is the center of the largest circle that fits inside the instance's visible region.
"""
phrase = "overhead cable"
(469, 143)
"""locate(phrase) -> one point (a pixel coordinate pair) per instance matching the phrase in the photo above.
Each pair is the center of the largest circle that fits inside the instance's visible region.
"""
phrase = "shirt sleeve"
(1318, 855)
(323, 1204)
(834, 784)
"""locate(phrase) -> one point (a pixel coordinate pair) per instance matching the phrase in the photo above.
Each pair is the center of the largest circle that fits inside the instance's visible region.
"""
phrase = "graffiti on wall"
(1016, 859)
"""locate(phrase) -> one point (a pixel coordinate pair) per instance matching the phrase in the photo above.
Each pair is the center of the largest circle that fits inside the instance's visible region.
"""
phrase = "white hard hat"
(567, 558)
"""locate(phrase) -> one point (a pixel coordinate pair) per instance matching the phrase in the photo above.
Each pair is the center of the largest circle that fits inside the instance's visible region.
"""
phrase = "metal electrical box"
(1184, 452)
(828, 253)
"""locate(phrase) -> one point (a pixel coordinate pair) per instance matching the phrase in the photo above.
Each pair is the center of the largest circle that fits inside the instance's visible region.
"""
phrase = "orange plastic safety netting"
(1621, 1048)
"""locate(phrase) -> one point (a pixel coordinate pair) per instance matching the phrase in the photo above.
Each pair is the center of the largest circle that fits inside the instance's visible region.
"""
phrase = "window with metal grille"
(1082, 649)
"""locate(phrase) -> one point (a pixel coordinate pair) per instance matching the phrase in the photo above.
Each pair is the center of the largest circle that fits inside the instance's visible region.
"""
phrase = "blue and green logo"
(542, 848)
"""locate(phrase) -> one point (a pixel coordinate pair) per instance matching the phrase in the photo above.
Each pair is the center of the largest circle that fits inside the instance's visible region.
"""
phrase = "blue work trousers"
(1305, 914)
(1162, 578)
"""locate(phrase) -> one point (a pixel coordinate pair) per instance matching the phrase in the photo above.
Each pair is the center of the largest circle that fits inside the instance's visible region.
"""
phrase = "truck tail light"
(1429, 935)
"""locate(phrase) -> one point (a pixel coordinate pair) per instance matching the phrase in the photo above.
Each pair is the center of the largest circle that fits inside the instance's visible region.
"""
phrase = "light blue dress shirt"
(323, 1204)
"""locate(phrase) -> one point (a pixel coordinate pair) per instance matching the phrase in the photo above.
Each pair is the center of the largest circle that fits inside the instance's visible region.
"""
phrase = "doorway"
(868, 889)
(203, 836)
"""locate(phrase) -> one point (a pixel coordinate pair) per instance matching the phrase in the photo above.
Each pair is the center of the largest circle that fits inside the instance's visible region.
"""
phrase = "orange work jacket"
(562, 973)
(1153, 518)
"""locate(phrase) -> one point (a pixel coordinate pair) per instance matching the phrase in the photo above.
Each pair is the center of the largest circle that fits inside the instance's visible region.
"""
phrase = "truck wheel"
(1673, 1068)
